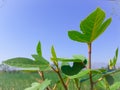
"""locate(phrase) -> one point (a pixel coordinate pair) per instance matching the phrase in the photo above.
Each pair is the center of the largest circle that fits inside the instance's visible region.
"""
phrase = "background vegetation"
(21, 80)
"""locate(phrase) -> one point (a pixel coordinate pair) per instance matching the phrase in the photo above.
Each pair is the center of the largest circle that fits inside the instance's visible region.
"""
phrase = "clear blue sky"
(24, 22)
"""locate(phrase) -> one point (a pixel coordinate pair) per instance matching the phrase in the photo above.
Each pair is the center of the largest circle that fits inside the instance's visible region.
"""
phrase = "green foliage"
(75, 69)
(113, 61)
(79, 57)
(22, 62)
(70, 60)
(40, 59)
(38, 49)
(54, 57)
(109, 79)
(79, 63)
(16, 80)
(102, 86)
(39, 86)
(115, 86)
(29, 64)
(76, 58)
(53, 53)
(43, 63)
(91, 27)
(22, 80)
(80, 74)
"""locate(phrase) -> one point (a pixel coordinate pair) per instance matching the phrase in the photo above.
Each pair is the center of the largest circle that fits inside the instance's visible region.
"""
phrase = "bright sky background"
(24, 22)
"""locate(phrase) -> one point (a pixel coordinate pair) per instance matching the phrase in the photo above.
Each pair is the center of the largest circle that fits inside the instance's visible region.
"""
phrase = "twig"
(60, 77)
(67, 81)
(41, 73)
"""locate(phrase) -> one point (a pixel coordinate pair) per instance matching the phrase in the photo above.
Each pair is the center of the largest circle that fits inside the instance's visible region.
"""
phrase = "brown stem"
(65, 87)
(89, 55)
(43, 78)
(89, 64)
(54, 88)
(67, 81)
(42, 75)
(60, 77)
(77, 84)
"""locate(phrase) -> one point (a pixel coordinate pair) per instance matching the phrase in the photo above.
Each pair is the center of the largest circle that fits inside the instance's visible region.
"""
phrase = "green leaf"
(114, 61)
(77, 36)
(116, 53)
(101, 85)
(111, 63)
(35, 86)
(96, 72)
(70, 60)
(80, 74)
(109, 72)
(109, 79)
(115, 86)
(72, 70)
(54, 57)
(115, 57)
(103, 70)
(39, 86)
(40, 59)
(43, 63)
(91, 27)
(38, 49)
(79, 57)
(102, 28)
(22, 62)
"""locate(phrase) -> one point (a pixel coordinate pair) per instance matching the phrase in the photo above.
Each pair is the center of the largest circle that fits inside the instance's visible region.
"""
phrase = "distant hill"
(103, 65)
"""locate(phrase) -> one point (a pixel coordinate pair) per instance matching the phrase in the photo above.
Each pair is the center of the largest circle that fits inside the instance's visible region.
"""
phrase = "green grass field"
(16, 81)
(22, 80)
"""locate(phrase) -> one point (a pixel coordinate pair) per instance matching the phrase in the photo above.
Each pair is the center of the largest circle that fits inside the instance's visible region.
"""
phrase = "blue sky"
(25, 22)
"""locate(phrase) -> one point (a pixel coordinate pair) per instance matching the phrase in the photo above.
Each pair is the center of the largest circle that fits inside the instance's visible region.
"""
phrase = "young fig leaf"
(91, 27)
(116, 53)
(54, 57)
(53, 52)
(38, 49)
